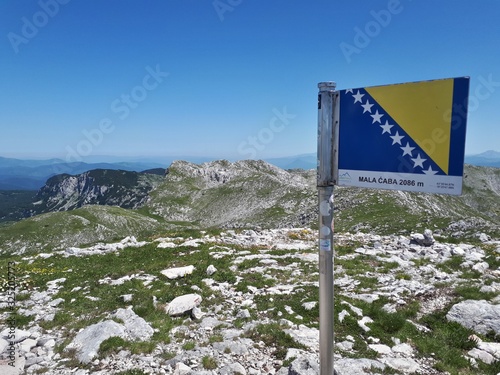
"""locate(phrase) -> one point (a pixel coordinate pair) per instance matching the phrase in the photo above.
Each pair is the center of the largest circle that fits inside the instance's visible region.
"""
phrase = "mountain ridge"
(19, 174)
(31, 175)
(126, 189)
(256, 194)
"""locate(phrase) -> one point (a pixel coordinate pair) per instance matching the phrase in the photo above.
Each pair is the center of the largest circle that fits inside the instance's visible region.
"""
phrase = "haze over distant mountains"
(18, 174)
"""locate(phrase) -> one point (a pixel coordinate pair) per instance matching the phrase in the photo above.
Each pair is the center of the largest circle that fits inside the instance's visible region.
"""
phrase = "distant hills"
(308, 161)
(486, 159)
(17, 174)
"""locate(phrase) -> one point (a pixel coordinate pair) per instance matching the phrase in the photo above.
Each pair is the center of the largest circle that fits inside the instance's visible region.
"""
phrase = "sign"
(409, 136)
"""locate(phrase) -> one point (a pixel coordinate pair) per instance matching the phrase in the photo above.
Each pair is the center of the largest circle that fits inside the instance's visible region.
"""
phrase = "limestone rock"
(309, 305)
(304, 366)
(175, 273)
(351, 366)
(135, 326)
(3, 345)
(481, 267)
(196, 313)
(233, 368)
(243, 314)
(426, 239)
(305, 335)
(380, 348)
(183, 304)
(182, 369)
(19, 335)
(481, 355)
(87, 341)
(211, 270)
(8, 370)
(480, 316)
(407, 365)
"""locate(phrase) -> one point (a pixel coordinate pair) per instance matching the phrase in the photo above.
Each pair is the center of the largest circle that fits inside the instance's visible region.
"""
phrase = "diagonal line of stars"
(418, 161)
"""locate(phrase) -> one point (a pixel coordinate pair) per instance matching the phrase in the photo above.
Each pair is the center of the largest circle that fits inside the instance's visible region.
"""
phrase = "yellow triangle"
(422, 110)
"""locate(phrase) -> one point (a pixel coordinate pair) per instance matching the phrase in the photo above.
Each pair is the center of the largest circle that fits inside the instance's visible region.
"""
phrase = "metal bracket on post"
(327, 178)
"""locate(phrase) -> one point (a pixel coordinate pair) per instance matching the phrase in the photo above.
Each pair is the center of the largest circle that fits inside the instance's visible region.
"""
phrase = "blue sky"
(229, 79)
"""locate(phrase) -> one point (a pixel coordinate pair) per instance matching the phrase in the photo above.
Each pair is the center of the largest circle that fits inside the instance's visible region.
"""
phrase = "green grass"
(385, 325)
(273, 336)
(273, 307)
(209, 363)
(111, 345)
(84, 226)
(249, 263)
(447, 340)
(215, 338)
(473, 292)
(256, 280)
(13, 203)
(451, 265)
(77, 311)
(189, 345)
(131, 372)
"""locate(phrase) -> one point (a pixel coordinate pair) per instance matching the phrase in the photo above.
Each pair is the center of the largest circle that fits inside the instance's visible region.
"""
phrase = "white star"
(376, 117)
(386, 127)
(348, 90)
(357, 97)
(418, 161)
(429, 171)
(367, 107)
(407, 149)
(397, 138)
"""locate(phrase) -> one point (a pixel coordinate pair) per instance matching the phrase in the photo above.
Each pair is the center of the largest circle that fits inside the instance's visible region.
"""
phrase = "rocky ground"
(394, 297)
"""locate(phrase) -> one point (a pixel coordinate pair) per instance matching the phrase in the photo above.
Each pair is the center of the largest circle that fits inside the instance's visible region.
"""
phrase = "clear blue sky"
(226, 78)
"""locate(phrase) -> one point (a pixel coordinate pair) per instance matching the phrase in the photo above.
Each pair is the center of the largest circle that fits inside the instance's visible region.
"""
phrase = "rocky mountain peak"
(221, 171)
(100, 186)
(235, 194)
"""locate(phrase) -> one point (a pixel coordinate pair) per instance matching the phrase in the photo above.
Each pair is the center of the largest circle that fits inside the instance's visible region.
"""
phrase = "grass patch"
(111, 345)
(209, 363)
(385, 325)
(447, 342)
(473, 292)
(272, 307)
(273, 336)
(21, 321)
(88, 297)
(256, 280)
(248, 263)
(451, 265)
(189, 345)
(131, 372)
(215, 338)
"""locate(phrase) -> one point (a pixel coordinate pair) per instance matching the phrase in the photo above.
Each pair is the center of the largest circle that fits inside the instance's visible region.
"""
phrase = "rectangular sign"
(409, 136)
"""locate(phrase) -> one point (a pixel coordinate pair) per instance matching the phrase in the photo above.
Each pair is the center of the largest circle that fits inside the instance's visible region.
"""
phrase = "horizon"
(230, 79)
(154, 158)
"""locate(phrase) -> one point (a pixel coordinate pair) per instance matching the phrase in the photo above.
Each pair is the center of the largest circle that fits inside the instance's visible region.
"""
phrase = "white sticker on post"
(325, 231)
(325, 245)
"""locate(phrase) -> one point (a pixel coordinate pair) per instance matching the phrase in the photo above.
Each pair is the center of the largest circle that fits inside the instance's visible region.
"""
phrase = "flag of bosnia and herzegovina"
(407, 136)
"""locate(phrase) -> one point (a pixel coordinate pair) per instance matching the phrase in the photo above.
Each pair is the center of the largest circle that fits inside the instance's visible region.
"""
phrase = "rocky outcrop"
(183, 304)
(241, 194)
(100, 186)
(217, 327)
(480, 316)
(87, 342)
